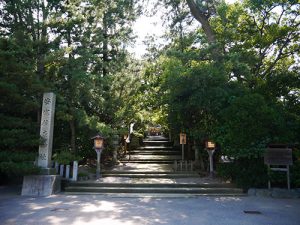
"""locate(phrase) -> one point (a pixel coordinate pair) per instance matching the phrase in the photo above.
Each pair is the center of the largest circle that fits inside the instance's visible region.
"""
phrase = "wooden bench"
(279, 159)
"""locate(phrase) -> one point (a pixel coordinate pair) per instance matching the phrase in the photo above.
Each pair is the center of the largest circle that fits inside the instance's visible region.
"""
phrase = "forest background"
(227, 72)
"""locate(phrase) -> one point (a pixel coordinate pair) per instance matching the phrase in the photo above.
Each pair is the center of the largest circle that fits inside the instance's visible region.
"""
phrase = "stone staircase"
(156, 150)
(148, 171)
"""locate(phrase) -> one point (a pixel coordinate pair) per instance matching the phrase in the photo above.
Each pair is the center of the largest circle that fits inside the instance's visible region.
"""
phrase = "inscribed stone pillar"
(46, 132)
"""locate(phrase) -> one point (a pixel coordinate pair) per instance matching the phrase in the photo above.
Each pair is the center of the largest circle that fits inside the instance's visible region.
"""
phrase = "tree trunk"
(201, 161)
(73, 136)
(203, 19)
(105, 46)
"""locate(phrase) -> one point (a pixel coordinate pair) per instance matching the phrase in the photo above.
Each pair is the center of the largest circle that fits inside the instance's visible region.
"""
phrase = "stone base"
(41, 185)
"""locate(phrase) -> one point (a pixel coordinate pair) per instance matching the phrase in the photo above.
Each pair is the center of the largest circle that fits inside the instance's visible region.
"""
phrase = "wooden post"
(269, 182)
(288, 177)
(175, 165)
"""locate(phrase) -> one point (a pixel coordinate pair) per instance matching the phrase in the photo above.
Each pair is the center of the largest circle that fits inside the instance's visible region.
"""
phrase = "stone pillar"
(56, 167)
(115, 151)
(46, 132)
(68, 172)
(75, 170)
(47, 183)
(61, 170)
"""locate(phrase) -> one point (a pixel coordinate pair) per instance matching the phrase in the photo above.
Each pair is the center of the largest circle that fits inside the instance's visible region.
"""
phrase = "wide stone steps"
(166, 189)
(156, 138)
(157, 143)
(151, 148)
(148, 172)
(157, 185)
(153, 157)
(149, 161)
(145, 175)
(155, 152)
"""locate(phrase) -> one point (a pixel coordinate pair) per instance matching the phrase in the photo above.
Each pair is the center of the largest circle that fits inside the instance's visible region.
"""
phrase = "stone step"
(157, 143)
(153, 157)
(156, 195)
(156, 148)
(152, 175)
(155, 152)
(161, 190)
(148, 185)
(156, 138)
(136, 167)
(142, 172)
(148, 161)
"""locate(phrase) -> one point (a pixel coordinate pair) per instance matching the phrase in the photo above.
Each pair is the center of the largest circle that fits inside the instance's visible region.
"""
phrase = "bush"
(65, 157)
(134, 141)
(295, 169)
(251, 172)
(12, 169)
(14, 165)
(245, 172)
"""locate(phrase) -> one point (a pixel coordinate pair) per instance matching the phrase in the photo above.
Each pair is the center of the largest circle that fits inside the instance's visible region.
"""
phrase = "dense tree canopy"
(229, 72)
(75, 49)
(234, 78)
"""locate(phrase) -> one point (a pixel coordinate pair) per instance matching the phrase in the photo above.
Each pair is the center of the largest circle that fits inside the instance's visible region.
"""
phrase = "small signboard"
(278, 156)
(182, 138)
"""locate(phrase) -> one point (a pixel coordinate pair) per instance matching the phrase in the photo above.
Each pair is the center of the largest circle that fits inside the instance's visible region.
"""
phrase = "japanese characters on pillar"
(46, 132)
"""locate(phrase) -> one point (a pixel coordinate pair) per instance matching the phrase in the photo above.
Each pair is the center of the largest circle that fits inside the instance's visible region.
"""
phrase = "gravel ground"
(102, 210)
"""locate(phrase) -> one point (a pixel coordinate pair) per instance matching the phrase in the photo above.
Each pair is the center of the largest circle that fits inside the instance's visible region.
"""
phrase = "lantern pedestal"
(98, 170)
(41, 185)
(211, 162)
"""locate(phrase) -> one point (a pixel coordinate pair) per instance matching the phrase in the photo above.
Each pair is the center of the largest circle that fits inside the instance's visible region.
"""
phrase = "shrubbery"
(14, 165)
(65, 157)
(245, 172)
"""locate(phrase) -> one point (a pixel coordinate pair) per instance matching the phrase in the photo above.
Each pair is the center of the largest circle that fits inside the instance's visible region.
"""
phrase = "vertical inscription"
(46, 131)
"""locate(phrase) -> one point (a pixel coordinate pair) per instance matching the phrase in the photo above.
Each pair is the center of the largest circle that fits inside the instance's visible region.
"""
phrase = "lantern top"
(98, 136)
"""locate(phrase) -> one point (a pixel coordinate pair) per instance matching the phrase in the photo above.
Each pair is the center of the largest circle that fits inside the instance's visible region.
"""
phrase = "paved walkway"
(97, 209)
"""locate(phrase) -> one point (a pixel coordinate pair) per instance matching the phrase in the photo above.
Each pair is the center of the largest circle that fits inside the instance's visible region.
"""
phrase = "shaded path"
(97, 209)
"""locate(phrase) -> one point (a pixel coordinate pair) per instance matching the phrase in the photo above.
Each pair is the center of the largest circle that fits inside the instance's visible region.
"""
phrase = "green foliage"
(295, 169)
(12, 156)
(18, 101)
(11, 170)
(245, 172)
(14, 165)
(77, 51)
(242, 90)
(65, 157)
(248, 125)
(134, 141)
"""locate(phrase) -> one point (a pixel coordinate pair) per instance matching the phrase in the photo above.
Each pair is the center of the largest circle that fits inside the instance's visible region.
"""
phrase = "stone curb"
(275, 193)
